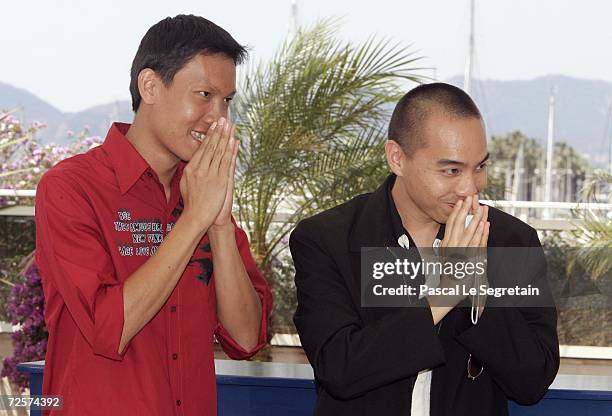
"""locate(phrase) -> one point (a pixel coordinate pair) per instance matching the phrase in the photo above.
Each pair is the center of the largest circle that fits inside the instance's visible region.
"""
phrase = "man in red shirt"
(141, 260)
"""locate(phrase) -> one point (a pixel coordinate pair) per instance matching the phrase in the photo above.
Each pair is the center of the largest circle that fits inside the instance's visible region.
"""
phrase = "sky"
(77, 54)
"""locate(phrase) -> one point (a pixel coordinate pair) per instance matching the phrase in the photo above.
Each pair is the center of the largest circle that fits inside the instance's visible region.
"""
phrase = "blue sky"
(75, 54)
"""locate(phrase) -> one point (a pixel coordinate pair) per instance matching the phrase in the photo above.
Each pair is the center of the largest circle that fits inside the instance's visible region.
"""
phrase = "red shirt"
(99, 217)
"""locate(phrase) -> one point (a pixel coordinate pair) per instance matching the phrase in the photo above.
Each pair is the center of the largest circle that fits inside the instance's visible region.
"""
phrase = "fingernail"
(213, 125)
(221, 121)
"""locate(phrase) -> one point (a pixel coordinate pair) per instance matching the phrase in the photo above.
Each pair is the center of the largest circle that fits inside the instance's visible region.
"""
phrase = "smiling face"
(182, 111)
(447, 169)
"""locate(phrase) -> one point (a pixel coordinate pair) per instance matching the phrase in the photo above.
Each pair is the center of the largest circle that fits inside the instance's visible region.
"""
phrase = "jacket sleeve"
(229, 345)
(75, 264)
(349, 357)
(519, 346)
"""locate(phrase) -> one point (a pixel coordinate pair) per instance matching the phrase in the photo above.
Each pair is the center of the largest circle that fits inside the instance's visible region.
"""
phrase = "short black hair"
(172, 42)
(412, 110)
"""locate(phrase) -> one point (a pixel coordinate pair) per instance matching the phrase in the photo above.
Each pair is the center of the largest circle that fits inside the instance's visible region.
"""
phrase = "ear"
(395, 157)
(149, 86)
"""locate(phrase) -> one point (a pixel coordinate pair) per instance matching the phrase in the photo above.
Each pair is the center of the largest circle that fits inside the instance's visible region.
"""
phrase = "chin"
(441, 217)
(185, 154)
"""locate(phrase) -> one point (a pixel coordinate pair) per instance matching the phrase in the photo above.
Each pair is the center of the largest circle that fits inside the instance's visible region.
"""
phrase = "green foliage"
(283, 292)
(312, 122)
(594, 231)
(16, 241)
(504, 151)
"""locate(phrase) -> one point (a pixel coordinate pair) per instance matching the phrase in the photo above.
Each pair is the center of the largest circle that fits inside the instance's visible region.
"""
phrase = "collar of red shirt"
(127, 163)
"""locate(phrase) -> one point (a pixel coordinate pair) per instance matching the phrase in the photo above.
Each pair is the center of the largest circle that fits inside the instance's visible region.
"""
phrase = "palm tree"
(312, 122)
(595, 230)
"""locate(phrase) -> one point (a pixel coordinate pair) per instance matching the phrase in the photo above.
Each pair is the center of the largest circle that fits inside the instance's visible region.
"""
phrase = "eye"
(451, 171)
(228, 99)
(204, 93)
(482, 167)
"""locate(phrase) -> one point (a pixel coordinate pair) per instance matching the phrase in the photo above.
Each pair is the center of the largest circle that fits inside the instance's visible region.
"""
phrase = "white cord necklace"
(475, 309)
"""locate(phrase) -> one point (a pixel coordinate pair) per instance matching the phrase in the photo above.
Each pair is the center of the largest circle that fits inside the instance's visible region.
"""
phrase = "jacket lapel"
(373, 227)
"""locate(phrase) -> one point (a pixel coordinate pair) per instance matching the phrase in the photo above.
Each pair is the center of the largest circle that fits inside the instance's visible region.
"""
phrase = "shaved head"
(413, 110)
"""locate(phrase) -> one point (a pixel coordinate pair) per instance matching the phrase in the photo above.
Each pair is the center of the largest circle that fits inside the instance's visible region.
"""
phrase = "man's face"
(199, 94)
(450, 167)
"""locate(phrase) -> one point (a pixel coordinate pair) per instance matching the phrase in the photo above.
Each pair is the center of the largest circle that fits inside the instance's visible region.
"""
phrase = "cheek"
(481, 182)
(438, 187)
(190, 111)
(185, 109)
(427, 187)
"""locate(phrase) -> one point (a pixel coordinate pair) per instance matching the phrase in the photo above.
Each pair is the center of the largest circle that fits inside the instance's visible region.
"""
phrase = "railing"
(18, 192)
(561, 218)
(543, 216)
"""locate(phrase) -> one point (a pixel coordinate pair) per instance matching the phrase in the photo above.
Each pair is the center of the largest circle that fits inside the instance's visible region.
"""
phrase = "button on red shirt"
(99, 217)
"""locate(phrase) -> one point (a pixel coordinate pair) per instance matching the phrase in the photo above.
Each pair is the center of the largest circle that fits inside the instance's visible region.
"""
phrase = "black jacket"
(365, 360)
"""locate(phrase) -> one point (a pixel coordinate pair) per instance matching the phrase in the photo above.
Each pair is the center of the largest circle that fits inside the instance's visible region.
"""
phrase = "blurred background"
(313, 103)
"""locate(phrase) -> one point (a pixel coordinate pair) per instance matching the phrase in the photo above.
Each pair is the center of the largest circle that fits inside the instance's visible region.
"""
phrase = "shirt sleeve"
(229, 345)
(76, 265)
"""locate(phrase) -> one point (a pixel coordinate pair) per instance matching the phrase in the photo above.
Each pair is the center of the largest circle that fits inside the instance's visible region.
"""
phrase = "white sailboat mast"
(549, 151)
(469, 61)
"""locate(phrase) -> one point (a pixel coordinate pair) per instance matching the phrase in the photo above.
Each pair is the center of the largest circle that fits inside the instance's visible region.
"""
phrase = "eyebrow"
(444, 162)
(213, 89)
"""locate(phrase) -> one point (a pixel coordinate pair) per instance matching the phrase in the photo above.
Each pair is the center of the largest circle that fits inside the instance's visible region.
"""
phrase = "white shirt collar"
(404, 242)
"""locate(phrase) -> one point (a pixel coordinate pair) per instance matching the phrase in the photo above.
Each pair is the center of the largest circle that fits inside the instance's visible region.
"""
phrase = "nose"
(466, 186)
(216, 111)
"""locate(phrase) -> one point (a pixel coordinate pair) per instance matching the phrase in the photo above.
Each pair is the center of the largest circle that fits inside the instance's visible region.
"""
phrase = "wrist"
(220, 230)
(199, 223)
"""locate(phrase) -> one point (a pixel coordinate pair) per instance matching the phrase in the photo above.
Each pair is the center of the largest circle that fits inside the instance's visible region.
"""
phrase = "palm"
(313, 121)
(595, 230)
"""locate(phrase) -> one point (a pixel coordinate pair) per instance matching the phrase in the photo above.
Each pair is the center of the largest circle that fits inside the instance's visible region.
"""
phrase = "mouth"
(198, 136)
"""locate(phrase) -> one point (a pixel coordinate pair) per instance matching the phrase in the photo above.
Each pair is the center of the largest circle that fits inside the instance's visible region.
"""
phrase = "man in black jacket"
(429, 360)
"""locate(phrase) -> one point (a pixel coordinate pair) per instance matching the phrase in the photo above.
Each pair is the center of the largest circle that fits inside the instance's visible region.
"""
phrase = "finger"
(225, 164)
(196, 159)
(470, 231)
(450, 223)
(485, 235)
(477, 235)
(212, 137)
(232, 168)
(231, 141)
(480, 213)
(475, 203)
(234, 157)
(222, 147)
(234, 145)
(459, 227)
